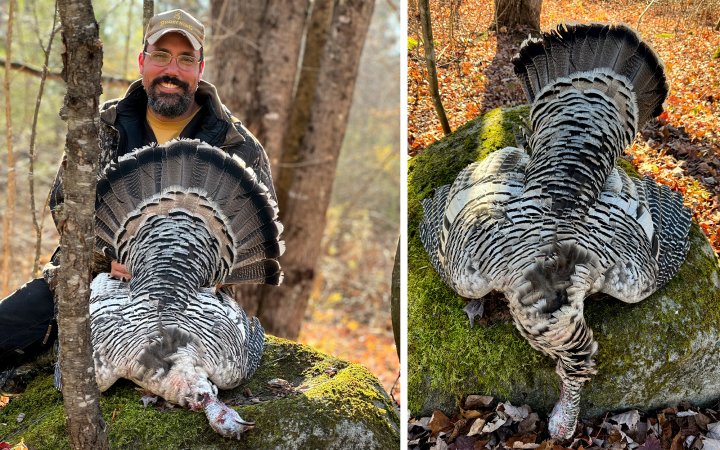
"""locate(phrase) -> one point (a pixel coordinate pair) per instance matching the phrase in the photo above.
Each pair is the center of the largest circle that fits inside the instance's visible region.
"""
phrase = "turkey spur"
(552, 225)
(183, 217)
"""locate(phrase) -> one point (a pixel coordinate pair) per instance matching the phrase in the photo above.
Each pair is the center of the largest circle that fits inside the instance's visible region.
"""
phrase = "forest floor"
(680, 149)
(349, 311)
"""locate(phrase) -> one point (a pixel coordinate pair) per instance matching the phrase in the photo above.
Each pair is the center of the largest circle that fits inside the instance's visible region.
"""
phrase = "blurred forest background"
(349, 311)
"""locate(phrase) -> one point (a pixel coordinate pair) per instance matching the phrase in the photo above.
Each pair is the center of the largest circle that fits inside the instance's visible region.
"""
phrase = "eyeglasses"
(162, 59)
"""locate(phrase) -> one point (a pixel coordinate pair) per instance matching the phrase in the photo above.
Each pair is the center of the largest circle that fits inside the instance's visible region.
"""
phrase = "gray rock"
(329, 403)
(653, 354)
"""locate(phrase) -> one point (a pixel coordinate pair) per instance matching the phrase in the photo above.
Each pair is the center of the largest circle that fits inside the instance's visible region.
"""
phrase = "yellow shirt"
(167, 129)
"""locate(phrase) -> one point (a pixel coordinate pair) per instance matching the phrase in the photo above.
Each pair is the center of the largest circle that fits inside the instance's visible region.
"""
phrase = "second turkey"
(555, 220)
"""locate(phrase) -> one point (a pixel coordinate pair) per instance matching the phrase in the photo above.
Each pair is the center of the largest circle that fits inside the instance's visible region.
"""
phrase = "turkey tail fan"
(263, 272)
(192, 178)
(671, 224)
(575, 48)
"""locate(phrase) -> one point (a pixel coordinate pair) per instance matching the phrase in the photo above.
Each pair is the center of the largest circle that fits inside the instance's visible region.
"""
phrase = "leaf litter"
(505, 426)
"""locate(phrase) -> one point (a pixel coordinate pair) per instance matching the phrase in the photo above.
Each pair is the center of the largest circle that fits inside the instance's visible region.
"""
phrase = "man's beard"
(169, 105)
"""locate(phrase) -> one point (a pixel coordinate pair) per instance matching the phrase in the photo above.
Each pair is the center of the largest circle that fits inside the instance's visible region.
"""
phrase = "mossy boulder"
(658, 352)
(336, 405)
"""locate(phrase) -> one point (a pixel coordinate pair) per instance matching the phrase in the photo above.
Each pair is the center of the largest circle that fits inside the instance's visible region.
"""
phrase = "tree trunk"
(256, 48)
(429, 47)
(9, 213)
(515, 14)
(148, 12)
(395, 303)
(281, 309)
(82, 64)
(250, 296)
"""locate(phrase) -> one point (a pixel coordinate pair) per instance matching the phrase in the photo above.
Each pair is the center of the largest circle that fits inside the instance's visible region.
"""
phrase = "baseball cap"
(175, 21)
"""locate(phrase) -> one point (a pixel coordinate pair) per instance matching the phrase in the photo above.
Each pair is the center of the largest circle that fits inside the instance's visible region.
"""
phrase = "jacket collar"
(206, 96)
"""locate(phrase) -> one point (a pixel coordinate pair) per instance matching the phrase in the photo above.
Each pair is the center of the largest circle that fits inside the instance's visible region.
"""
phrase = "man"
(169, 101)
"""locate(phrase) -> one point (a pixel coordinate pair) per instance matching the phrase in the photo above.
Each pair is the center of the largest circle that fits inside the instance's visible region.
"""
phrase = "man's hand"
(119, 271)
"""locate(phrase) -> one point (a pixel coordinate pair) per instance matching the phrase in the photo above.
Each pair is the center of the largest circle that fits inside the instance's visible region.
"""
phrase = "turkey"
(549, 226)
(183, 217)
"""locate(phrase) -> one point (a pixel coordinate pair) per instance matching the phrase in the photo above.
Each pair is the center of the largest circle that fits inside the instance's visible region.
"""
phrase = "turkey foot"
(563, 418)
(223, 419)
(474, 310)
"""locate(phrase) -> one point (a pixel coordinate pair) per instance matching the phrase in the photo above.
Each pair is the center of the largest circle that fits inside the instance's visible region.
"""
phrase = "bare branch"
(430, 63)
(33, 133)
(108, 80)
(637, 26)
(9, 216)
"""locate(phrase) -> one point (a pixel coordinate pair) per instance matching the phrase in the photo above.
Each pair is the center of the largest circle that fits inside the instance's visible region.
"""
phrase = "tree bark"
(515, 14)
(395, 303)
(9, 213)
(250, 296)
(429, 47)
(281, 309)
(82, 64)
(148, 12)
(256, 49)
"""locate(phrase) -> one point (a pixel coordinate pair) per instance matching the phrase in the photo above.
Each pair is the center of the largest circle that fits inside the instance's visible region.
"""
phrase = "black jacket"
(123, 128)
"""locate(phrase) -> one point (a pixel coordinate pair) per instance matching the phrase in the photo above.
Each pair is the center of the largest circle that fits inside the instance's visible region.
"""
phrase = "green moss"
(627, 166)
(673, 318)
(333, 408)
(444, 354)
(447, 360)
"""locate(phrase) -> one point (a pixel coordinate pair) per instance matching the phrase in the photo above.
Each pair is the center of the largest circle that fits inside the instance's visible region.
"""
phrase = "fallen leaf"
(629, 419)
(457, 428)
(677, 442)
(497, 421)
(651, 443)
(471, 414)
(711, 444)
(440, 445)
(714, 430)
(478, 401)
(529, 424)
(476, 427)
(520, 441)
(516, 413)
(528, 445)
(439, 422)
(4, 400)
(465, 443)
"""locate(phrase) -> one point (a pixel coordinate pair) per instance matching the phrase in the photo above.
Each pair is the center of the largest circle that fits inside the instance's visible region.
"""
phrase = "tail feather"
(262, 272)
(431, 227)
(246, 225)
(671, 222)
(582, 48)
(204, 182)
